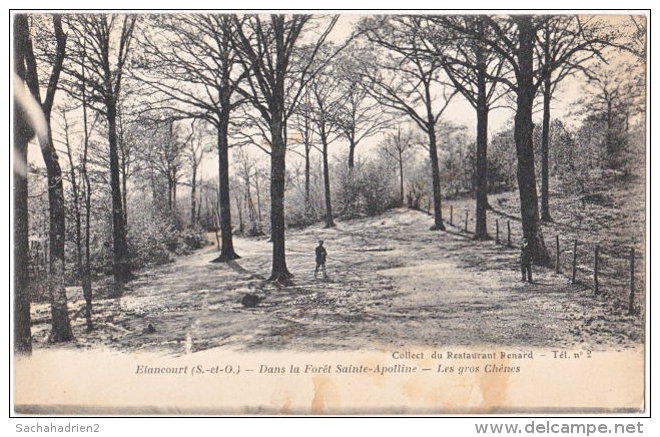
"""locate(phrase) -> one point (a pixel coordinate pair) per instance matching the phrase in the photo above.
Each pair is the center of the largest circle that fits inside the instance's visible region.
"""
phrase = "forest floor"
(393, 282)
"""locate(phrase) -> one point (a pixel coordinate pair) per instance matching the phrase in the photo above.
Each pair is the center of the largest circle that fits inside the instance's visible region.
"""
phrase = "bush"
(367, 189)
(300, 211)
(192, 238)
(153, 237)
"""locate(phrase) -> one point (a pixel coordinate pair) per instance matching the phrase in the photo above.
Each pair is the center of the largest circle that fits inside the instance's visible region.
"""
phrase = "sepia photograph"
(329, 213)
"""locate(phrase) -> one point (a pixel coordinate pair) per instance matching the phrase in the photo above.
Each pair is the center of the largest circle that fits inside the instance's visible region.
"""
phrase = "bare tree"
(196, 75)
(24, 129)
(467, 63)
(636, 40)
(396, 146)
(247, 172)
(361, 116)
(197, 148)
(82, 194)
(126, 141)
(303, 124)
(408, 82)
(612, 96)
(61, 326)
(165, 154)
(268, 48)
(567, 45)
(100, 49)
(513, 38)
(323, 109)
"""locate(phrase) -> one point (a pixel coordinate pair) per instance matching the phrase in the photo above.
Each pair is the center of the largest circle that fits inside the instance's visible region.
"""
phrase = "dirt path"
(393, 283)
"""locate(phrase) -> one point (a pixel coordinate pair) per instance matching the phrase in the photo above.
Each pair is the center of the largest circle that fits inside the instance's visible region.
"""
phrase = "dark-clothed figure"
(526, 256)
(321, 254)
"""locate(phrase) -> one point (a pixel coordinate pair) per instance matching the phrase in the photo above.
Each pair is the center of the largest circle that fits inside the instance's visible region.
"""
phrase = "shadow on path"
(239, 269)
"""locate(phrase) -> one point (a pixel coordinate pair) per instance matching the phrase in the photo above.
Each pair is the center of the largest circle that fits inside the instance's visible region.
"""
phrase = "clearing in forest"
(392, 283)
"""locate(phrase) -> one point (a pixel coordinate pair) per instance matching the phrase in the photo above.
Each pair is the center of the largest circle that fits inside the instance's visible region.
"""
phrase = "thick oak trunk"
(481, 229)
(87, 189)
(124, 191)
(545, 142)
(280, 273)
(121, 268)
(86, 273)
(227, 252)
(401, 192)
(193, 197)
(329, 221)
(351, 152)
(435, 172)
(22, 134)
(523, 127)
(60, 324)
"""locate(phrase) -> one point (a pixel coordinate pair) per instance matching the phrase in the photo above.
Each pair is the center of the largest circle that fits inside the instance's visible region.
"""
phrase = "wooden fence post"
(574, 260)
(497, 231)
(631, 304)
(508, 227)
(451, 215)
(596, 290)
(557, 262)
(466, 219)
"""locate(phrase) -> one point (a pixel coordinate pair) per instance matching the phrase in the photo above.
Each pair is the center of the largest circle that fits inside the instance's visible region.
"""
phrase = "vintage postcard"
(422, 213)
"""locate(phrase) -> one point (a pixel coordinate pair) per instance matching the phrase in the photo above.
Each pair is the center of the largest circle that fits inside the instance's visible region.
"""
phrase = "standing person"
(321, 254)
(526, 261)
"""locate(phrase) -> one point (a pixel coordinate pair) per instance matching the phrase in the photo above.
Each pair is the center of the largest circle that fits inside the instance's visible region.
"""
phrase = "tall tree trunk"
(523, 127)
(481, 229)
(435, 172)
(86, 274)
(545, 142)
(258, 193)
(610, 135)
(401, 199)
(227, 252)
(329, 222)
(22, 135)
(307, 172)
(121, 268)
(123, 170)
(174, 187)
(193, 196)
(77, 209)
(87, 190)
(247, 198)
(351, 151)
(280, 273)
(60, 325)
(169, 193)
(23, 132)
(239, 208)
(124, 182)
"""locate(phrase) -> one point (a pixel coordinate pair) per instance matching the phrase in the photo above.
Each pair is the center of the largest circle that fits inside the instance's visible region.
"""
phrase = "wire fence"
(613, 271)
